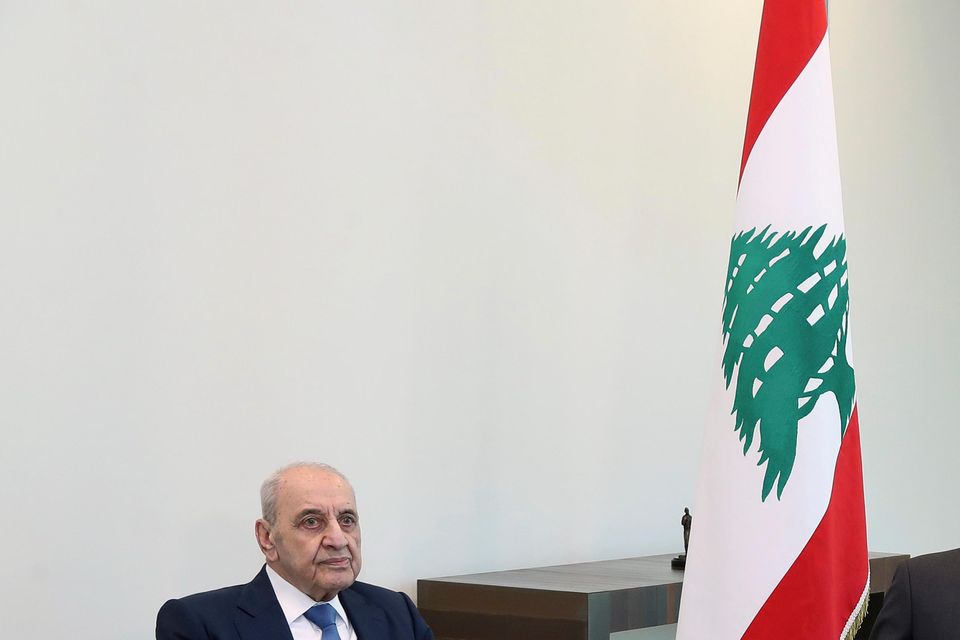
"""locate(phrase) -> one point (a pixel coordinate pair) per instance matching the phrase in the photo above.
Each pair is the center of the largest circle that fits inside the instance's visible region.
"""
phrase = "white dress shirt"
(295, 602)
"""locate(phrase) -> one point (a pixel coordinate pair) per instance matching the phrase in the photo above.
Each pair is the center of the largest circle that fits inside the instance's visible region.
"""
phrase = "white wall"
(896, 115)
(469, 252)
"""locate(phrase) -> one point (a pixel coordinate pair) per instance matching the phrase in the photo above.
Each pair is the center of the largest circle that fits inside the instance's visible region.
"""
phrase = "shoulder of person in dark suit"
(397, 605)
(923, 601)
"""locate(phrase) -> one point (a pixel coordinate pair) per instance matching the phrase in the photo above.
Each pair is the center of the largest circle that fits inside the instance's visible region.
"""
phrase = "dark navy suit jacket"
(251, 612)
(923, 601)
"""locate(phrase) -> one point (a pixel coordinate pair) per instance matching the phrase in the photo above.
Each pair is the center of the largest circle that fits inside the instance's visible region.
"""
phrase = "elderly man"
(310, 537)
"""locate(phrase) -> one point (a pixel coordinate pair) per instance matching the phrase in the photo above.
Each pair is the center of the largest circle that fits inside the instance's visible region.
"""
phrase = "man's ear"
(265, 540)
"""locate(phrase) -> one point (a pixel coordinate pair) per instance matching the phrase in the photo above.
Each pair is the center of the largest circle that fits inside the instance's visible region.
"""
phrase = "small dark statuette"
(686, 522)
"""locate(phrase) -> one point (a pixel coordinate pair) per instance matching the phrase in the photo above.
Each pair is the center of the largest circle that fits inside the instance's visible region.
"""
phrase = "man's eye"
(310, 522)
(348, 521)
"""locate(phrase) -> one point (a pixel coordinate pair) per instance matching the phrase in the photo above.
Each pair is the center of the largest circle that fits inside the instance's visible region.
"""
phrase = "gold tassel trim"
(857, 620)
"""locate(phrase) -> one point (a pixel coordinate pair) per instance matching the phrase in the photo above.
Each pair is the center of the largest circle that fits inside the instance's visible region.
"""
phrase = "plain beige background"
(472, 253)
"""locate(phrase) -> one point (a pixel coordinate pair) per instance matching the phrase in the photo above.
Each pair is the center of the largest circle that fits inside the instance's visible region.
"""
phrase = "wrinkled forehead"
(303, 487)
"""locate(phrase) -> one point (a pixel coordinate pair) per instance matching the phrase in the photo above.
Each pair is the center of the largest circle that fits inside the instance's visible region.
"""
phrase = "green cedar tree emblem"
(785, 323)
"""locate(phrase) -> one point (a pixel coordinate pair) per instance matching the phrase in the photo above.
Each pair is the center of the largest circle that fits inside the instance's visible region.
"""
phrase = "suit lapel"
(259, 616)
(368, 619)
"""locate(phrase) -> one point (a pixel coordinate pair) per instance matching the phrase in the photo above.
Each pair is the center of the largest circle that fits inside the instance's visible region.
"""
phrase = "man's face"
(315, 542)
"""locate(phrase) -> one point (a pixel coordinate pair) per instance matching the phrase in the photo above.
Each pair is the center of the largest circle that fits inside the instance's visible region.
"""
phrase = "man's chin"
(341, 577)
(331, 585)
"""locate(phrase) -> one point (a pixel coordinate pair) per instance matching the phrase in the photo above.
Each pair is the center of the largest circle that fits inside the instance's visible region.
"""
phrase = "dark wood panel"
(648, 607)
(448, 625)
(501, 600)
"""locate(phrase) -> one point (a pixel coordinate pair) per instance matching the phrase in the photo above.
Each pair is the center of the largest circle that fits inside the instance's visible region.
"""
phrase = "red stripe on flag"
(790, 32)
(823, 587)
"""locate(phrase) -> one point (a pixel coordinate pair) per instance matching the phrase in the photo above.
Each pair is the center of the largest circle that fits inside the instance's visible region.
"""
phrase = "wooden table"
(586, 601)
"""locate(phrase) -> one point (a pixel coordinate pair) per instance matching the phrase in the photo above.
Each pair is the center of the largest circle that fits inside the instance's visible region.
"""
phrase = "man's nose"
(335, 537)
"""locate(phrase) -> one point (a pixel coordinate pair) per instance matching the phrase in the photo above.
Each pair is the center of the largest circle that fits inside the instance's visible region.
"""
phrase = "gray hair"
(271, 486)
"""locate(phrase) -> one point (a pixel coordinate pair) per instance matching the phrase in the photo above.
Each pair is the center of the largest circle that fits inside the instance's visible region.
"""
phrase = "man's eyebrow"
(310, 511)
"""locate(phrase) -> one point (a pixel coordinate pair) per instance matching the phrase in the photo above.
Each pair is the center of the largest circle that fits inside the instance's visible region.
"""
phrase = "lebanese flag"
(778, 544)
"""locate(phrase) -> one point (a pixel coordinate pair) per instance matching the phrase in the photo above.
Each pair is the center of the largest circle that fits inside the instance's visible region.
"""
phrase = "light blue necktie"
(324, 616)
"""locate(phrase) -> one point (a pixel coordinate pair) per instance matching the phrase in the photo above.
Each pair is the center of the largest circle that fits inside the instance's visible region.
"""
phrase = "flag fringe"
(859, 614)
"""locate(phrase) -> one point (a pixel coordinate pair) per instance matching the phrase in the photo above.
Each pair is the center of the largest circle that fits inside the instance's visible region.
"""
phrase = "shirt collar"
(295, 602)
